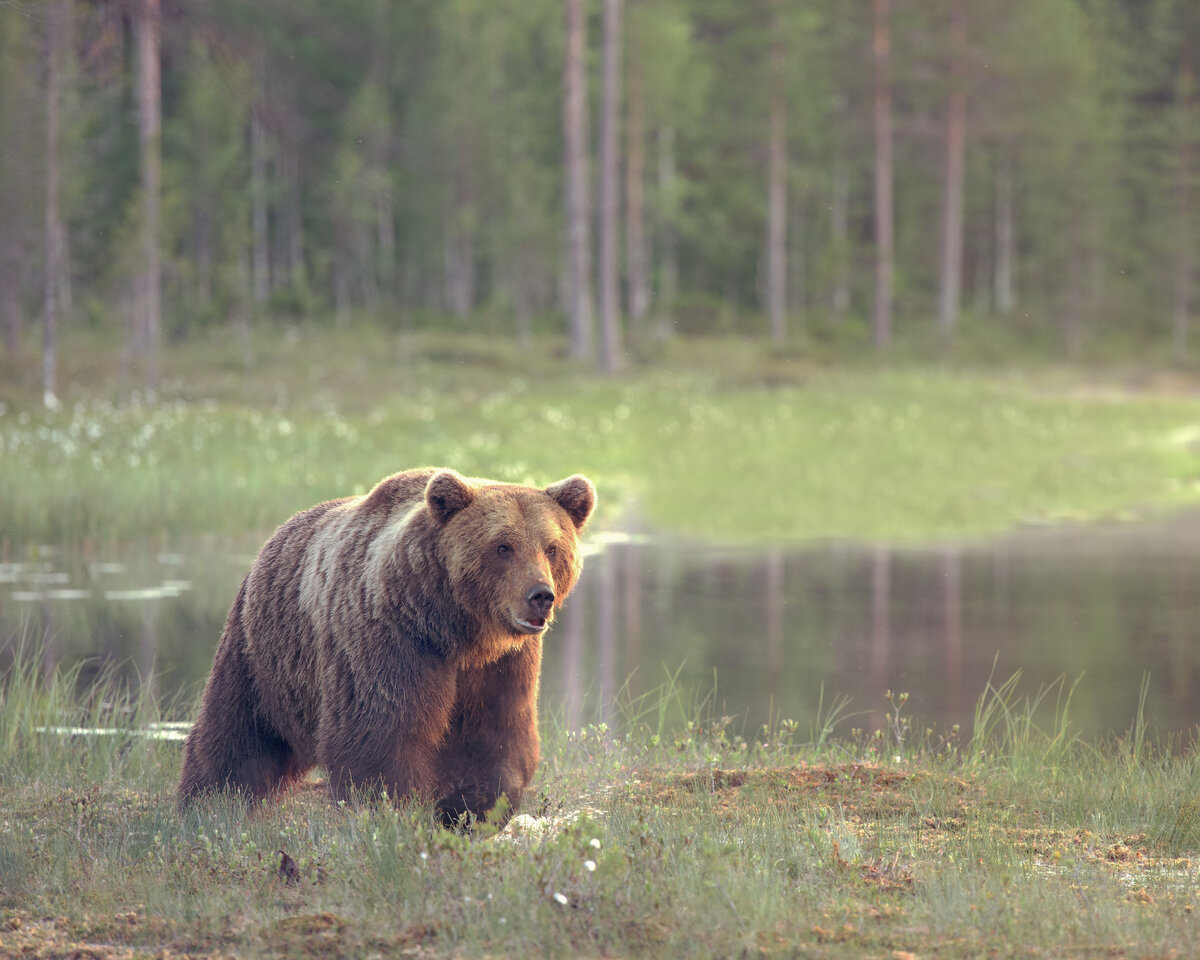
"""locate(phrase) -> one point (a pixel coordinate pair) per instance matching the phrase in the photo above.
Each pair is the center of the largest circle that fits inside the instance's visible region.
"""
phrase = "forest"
(1025, 173)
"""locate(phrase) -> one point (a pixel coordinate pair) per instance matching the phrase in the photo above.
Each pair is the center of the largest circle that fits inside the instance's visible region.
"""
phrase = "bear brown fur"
(396, 640)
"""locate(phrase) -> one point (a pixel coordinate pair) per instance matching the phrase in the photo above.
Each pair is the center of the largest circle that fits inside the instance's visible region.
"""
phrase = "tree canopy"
(406, 164)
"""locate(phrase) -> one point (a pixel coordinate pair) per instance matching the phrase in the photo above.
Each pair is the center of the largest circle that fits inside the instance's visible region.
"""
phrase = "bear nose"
(541, 598)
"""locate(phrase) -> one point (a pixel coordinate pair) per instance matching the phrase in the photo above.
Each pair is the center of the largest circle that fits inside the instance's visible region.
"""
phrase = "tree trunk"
(982, 264)
(342, 271)
(636, 253)
(149, 24)
(884, 224)
(839, 211)
(291, 221)
(777, 186)
(260, 241)
(522, 267)
(460, 270)
(16, 114)
(797, 259)
(668, 237)
(365, 267)
(952, 185)
(385, 225)
(610, 135)
(579, 277)
(1006, 235)
(202, 249)
(462, 260)
(58, 37)
(10, 296)
(1074, 291)
(1184, 214)
(1182, 299)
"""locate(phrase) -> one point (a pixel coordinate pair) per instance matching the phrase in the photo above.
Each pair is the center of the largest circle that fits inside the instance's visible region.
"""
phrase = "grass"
(723, 440)
(1008, 840)
(660, 838)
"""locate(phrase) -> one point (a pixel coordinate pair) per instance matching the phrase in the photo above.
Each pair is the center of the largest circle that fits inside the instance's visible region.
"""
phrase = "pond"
(755, 633)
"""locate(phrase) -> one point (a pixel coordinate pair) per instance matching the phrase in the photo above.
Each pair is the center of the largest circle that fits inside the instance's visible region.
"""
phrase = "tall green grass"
(655, 841)
(56, 728)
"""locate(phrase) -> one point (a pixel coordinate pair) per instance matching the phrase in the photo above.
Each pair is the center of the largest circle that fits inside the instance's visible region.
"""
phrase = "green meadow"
(671, 834)
(721, 439)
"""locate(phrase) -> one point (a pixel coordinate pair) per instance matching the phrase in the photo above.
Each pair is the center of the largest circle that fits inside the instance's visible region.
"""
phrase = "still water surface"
(753, 633)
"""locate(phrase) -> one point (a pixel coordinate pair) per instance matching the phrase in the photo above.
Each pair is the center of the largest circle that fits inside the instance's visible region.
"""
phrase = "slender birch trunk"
(777, 186)
(950, 296)
(579, 278)
(839, 211)
(884, 223)
(1185, 247)
(1005, 293)
(610, 135)
(149, 40)
(260, 242)
(636, 252)
(58, 39)
(668, 238)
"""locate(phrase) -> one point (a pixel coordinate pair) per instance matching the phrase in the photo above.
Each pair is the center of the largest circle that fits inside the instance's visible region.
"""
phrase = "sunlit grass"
(702, 450)
(689, 842)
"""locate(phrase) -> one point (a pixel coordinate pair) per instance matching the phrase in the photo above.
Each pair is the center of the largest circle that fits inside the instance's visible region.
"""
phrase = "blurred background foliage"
(172, 169)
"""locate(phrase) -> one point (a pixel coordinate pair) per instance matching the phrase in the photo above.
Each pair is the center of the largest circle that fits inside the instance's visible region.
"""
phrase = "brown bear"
(396, 640)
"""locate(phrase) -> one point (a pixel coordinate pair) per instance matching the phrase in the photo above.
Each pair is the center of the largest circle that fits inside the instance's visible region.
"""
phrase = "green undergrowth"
(652, 838)
(722, 439)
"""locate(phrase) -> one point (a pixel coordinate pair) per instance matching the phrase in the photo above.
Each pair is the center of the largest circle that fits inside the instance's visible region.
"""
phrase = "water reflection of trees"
(777, 625)
(121, 611)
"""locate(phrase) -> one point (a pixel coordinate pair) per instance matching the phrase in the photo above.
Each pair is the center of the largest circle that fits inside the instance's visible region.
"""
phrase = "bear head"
(511, 552)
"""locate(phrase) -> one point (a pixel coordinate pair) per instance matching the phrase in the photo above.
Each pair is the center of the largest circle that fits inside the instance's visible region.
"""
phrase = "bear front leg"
(229, 746)
(409, 775)
(492, 748)
(377, 733)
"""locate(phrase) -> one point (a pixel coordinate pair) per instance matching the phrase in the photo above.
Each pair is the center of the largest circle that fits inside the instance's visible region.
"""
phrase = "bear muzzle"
(539, 602)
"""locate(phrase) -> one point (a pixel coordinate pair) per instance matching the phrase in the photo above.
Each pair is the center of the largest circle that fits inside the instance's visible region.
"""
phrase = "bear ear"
(576, 495)
(446, 493)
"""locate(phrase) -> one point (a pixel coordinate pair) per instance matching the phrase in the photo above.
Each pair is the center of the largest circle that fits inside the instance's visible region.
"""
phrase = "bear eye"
(551, 552)
(504, 550)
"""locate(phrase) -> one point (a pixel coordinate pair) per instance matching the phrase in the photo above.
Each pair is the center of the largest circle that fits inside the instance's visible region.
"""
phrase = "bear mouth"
(533, 625)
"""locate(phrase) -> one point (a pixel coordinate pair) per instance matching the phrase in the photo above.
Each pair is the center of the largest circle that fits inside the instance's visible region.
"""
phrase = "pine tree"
(884, 228)
(610, 302)
(147, 339)
(579, 283)
(953, 184)
(58, 27)
(777, 171)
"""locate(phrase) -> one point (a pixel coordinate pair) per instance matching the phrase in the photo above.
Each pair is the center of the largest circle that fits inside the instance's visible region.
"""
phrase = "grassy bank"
(1004, 840)
(720, 440)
